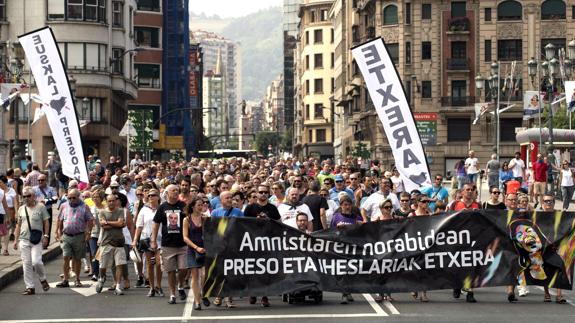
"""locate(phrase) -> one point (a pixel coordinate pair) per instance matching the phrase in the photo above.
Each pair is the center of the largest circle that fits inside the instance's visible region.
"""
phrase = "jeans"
(567, 192)
(472, 178)
(31, 255)
(93, 243)
(493, 180)
(461, 180)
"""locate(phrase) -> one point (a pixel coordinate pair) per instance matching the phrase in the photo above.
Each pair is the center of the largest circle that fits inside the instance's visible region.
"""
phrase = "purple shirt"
(340, 218)
(74, 219)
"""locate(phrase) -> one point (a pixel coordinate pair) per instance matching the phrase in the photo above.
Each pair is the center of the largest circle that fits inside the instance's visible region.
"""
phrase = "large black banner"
(464, 249)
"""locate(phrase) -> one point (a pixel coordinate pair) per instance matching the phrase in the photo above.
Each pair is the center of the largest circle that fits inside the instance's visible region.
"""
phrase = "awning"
(532, 134)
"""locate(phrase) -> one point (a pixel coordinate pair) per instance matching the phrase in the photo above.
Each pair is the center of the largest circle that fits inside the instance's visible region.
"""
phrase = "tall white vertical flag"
(52, 82)
(388, 96)
(570, 95)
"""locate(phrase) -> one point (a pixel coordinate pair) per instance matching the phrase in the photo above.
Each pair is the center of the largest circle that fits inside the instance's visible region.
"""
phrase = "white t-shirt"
(10, 197)
(517, 166)
(398, 184)
(288, 213)
(471, 164)
(146, 222)
(2, 211)
(371, 205)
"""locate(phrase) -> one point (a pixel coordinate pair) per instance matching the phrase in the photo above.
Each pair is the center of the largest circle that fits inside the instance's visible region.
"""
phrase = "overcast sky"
(231, 8)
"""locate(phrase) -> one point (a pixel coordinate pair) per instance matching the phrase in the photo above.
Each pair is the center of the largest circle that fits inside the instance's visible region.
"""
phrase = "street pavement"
(84, 305)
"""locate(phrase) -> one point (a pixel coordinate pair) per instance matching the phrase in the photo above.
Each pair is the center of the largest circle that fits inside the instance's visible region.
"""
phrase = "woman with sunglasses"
(404, 206)
(421, 210)
(142, 239)
(278, 196)
(494, 203)
(386, 209)
(566, 182)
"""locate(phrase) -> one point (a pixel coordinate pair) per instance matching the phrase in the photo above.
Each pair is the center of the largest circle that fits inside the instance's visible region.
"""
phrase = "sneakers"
(172, 300)
(456, 293)
(346, 298)
(118, 291)
(151, 293)
(197, 307)
(140, 282)
(469, 298)
(205, 301)
(94, 278)
(253, 300)
(160, 291)
(100, 285)
(182, 294)
(265, 302)
(523, 290)
(147, 283)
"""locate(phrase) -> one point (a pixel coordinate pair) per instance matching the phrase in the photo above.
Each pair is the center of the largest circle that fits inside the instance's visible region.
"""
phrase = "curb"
(15, 271)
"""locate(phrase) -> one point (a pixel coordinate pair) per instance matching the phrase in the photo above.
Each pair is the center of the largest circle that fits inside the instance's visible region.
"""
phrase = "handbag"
(35, 235)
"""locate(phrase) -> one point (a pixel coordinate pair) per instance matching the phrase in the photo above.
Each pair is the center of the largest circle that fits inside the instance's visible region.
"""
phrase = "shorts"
(110, 255)
(539, 188)
(174, 258)
(195, 259)
(73, 246)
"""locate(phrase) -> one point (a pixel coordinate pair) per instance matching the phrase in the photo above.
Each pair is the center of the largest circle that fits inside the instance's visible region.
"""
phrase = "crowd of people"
(152, 212)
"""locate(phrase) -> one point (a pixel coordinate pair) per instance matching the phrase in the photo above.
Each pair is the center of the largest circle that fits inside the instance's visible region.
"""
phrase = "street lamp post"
(16, 149)
(494, 88)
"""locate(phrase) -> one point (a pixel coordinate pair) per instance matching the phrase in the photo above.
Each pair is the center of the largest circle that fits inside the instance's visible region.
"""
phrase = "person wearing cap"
(340, 187)
(114, 189)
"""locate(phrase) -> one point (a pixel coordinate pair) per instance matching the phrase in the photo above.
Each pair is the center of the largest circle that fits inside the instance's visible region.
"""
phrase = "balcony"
(457, 101)
(459, 25)
(458, 64)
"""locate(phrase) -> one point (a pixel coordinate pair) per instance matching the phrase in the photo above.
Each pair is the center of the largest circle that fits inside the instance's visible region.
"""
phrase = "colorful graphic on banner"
(426, 124)
(570, 95)
(388, 96)
(52, 81)
(531, 105)
(247, 256)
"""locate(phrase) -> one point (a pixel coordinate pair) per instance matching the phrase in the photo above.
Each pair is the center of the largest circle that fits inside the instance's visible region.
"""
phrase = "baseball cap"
(338, 178)
(114, 183)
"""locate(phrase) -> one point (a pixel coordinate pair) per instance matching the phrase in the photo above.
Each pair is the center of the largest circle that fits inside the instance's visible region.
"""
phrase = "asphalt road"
(84, 305)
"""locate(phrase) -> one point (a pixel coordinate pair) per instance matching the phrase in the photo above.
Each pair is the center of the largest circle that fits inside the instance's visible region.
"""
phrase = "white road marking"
(552, 292)
(197, 318)
(189, 307)
(392, 309)
(378, 310)
(87, 289)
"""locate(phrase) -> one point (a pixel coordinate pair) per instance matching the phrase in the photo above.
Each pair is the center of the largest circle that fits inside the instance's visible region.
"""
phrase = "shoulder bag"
(35, 235)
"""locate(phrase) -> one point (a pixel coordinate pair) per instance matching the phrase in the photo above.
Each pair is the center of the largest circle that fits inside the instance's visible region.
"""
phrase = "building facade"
(314, 71)
(273, 106)
(438, 48)
(290, 35)
(97, 46)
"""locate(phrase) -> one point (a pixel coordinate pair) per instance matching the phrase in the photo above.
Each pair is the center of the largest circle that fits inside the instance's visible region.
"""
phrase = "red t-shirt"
(459, 205)
(540, 171)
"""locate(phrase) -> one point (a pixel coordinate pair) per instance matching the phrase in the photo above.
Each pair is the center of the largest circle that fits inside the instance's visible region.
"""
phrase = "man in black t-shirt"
(262, 209)
(170, 215)
(317, 205)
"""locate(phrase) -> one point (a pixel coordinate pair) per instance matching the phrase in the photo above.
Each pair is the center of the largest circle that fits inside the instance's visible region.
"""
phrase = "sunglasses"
(150, 195)
(405, 201)
(26, 196)
(387, 207)
(548, 201)
(263, 192)
(496, 192)
(424, 201)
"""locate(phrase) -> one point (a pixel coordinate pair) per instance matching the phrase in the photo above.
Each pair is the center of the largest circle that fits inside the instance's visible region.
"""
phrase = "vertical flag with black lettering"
(52, 82)
(388, 96)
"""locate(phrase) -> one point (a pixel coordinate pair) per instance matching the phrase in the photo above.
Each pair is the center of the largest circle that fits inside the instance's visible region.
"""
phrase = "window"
(407, 13)
(509, 49)
(323, 15)
(148, 37)
(117, 62)
(309, 133)
(149, 5)
(458, 129)
(458, 93)
(408, 91)
(307, 89)
(117, 14)
(332, 38)
(332, 88)
(89, 109)
(426, 50)
(390, 15)
(459, 49)
(306, 112)
(148, 75)
(87, 10)
(393, 50)
(355, 33)
(332, 64)
(509, 10)
(426, 11)
(408, 52)
(318, 61)
(317, 36)
(320, 135)
(317, 111)
(91, 9)
(312, 16)
(307, 37)
(572, 12)
(558, 42)
(75, 10)
(426, 89)
(553, 9)
(56, 9)
(87, 56)
(318, 86)
(17, 106)
(487, 57)
(487, 14)
(507, 130)
(2, 10)
(307, 62)
(458, 9)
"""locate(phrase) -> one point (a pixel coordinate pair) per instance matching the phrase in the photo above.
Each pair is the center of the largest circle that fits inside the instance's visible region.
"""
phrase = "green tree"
(360, 150)
(141, 120)
(264, 139)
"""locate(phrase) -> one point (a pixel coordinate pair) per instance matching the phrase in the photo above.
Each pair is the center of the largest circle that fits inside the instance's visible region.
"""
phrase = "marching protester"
(370, 209)
(30, 234)
(494, 202)
(567, 184)
(8, 194)
(318, 206)
(421, 210)
(548, 205)
(289, 209)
